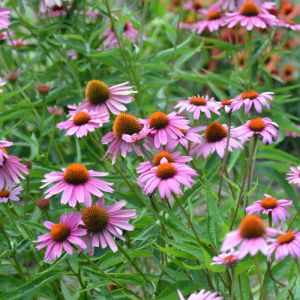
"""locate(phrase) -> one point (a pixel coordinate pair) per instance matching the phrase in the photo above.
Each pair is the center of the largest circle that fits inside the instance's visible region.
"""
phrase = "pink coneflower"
(3, 36)
(252, 98)
(17, 43)
(189, 139)
(288, 73)
(62, 236)
(271, 7)
(195, 5)
(277, 208)
(262, 127)
(189, 23)
(214, 20)
(202, 295)
(250, 237)
(52, 8)
(2, 83)
(229, 258)
(198, 104)
(292, 133)
(3, 152)
(287, 243)
(101, 98)
(126, 136)
(93, 14)
(236, 4)
(171, 157)
(166, 128)
(12, 170)
(55, 110)
(250, 16)
(57, 11)
(214, 139)
(226, 104)
(128, 32)
(294, 175)
(289, 24)
(10, 193)
(83, 122)
(77, 184)
(72, 54)
(103, 223)
(138, 139)
(4, 18)
(167, 178)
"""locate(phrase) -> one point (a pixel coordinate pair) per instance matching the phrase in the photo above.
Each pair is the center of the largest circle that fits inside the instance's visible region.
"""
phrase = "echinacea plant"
(149, 149)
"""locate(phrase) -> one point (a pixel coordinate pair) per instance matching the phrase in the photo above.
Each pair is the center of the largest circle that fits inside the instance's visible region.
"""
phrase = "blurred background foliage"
(166, 65)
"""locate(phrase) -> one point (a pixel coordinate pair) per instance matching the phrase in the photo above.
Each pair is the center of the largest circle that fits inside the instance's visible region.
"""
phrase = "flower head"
(293, 176)
(190, 138)
(166, 128)
(10, 193)
(174, 157)
(61, 236)
(273, 206)
(189, 23)
(43, 204)
(253, 99)
(202, 295)
(129, 32)
(11, 170)
(103, 223)
(228, 258)
(195, 5)
(226, 104)
(4, 18)
(77, 183)
(215, 139)
(289, 24)
(288, 10)
(236, 4)
(250, 237)
(287, 243)
(101, 98)
(43, 88)
(251, 15)
(3, 151)
(2, 83)
(83, 122)
(167, 177)
(262, 127)
(55, 110)
(214, 20)
(198, 104)
(126, 136)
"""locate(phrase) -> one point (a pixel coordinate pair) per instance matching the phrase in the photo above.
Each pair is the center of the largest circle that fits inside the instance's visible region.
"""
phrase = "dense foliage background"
(165, 65)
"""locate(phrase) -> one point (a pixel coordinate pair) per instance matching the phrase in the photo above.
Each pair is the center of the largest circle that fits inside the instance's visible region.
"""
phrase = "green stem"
(201, 244)
(127, 61)
(224, 159)
(270, 218)
(251, 165)
(263, 295)
(248, 56)
(123, 251)
(109, 277)
(77, 274)
(232, 283)
(249, 174)
(18, 267)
